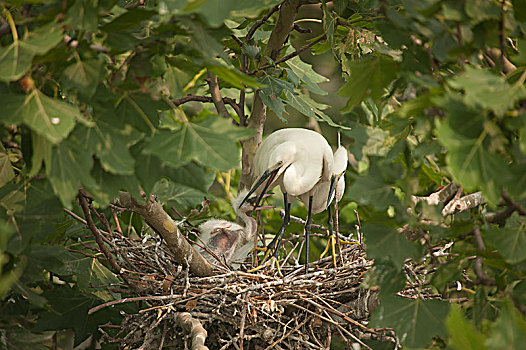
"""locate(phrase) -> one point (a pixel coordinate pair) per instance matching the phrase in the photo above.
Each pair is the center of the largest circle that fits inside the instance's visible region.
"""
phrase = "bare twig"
(260, 22)
(207, 99)
(482, 276)
(91, 225)
(291, 55)
(216, 96)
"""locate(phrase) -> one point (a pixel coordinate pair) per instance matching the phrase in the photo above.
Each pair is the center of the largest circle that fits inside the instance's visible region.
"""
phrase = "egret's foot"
(332, 244)
(274, 264)
(268, 251)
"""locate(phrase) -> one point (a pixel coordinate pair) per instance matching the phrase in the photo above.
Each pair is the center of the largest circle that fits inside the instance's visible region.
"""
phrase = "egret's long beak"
(331, 190)
(334, 180)
(269, 174)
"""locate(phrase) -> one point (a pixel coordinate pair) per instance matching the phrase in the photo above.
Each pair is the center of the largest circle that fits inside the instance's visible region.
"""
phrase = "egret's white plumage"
(321, 190)
(301, 162)
(229, 240)
(303, 157)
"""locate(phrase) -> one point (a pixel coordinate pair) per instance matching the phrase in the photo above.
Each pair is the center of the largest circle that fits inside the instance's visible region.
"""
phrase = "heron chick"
(228, 240)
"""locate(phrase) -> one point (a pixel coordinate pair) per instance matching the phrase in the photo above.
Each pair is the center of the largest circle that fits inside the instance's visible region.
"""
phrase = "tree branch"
(441, 196)
(280, 33)
(194, 327)
(458, 205)
(289, 56)
(98, 238)
(155, 216)
(205, 99)
(216, 96)
(482, 277)
(259, 23)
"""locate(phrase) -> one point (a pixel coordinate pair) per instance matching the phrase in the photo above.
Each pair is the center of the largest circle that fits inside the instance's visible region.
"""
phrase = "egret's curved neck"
(250, 224)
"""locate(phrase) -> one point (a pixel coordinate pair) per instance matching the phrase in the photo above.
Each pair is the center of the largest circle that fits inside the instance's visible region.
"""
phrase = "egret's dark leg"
(307, 234)
(274, 244)
(330, 220)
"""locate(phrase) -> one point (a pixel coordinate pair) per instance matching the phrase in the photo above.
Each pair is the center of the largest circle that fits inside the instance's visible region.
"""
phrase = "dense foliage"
(112, 95)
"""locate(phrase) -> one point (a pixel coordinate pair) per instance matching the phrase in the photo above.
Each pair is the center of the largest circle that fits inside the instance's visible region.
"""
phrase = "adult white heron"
(301, 162)
(229, 240)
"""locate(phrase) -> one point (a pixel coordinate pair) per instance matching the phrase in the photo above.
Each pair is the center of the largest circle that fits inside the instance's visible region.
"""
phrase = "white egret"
(301, 162)
(229, 240)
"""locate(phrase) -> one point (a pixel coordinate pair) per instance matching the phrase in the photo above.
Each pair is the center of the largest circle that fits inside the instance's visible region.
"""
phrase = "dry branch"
(194, 328)
(441, 196)
(155, 216)
(457, 205)
(216, 96)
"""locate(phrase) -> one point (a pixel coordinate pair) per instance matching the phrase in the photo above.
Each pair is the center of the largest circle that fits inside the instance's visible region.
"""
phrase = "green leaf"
(462, 334)
(276, 103)
(383, 241)
(271, 92)
(509, 240)
(308, 107)
(509, 331)
(16, 58)
(471, 164)
(83, 76)
(211, 142)
(369, 78)
(329, 23)
(6, 169)
(233, 76)
(185, 186)
(485, 89)
(130, 19)
(22, 339)
(70, 311)
(83, 15)
(46, 116)
(34, 298)
(480, 10)
(373, 188)
(109, 185)
(89, 271)
(36, 217)
(168, 191)
(110, 145)
(367, 140)
(414, 321)
(136, 109)
(69, 169)
(216, 11)
(307, 75)
(41, 153)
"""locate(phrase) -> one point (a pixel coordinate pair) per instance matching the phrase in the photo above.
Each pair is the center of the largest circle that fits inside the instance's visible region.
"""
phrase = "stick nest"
(237, 309)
